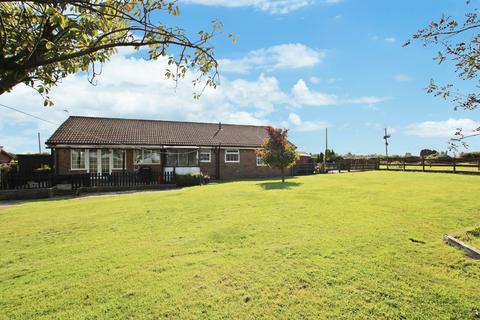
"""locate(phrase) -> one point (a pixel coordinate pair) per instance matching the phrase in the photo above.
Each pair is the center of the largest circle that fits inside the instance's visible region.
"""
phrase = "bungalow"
(106, 145)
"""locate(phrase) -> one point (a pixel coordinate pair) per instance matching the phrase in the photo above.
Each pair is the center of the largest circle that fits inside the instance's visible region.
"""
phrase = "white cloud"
(304, 96)
(136, 88)
(297, 124)
(284, 56)
(446, 129)
(270, 6)
(402, 77)
(295, 119)
(315, 80)
(386, 39)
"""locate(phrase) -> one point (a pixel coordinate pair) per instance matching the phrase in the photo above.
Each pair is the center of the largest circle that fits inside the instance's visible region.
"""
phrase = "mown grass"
(345, 246)
(470, 236)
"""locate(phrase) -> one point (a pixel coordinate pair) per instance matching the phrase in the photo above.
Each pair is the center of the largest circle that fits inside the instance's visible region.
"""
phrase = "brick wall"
(246, 168)
(63, 162)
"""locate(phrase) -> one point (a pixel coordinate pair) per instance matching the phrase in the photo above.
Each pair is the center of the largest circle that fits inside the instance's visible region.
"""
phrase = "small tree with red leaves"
(277, 151)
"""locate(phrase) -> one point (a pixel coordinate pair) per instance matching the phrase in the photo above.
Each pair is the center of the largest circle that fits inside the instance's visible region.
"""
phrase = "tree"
(43, 41)
(330, 155)
(460, 44)
(426, 152)
(277, 151)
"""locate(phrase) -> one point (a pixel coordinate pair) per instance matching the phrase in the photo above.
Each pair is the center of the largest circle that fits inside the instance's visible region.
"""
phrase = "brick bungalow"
(105, 145)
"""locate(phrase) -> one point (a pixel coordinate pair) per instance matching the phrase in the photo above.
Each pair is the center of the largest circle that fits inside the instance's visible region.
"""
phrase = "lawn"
(341, 246)
(470, 236)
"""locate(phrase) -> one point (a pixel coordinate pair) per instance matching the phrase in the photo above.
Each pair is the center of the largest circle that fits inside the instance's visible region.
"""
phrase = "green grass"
(470, 236)
(319, 247)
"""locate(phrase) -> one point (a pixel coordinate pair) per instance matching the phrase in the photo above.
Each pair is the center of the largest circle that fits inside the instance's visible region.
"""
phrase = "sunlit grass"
(350, 246)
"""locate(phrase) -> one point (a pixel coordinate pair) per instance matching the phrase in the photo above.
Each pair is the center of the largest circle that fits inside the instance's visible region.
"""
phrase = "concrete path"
(8, 204)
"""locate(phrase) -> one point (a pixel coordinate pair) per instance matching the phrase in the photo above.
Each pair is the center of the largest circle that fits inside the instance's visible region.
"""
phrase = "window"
(118, 159)
(105, 158)
(147, 156)
(260, 162)
(182, 158)
(232, 156)
(78, 159)
(92, 160)
(205, 156)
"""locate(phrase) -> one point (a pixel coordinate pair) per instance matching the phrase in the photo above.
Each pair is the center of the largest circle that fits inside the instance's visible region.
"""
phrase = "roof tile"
(113, 131)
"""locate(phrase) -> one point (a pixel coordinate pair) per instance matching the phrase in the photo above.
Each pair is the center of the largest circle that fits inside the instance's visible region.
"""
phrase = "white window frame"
(209, 152)
(124, 159)
(237, 151)
(260, 163)
(85, 157)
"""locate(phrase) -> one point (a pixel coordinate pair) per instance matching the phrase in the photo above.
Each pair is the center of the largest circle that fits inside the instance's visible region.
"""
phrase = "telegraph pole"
(386, 137)
(326, 148)
(39, 145)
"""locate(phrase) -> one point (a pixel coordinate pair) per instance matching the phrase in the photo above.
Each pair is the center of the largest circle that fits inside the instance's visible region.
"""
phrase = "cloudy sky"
(301, 64)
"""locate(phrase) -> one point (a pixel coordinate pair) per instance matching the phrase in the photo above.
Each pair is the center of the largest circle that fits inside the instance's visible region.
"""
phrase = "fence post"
(454, 165)
(404, 164)
(423, 164)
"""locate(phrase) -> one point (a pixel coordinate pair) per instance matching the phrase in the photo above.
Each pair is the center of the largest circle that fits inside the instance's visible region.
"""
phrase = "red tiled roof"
(112, 131)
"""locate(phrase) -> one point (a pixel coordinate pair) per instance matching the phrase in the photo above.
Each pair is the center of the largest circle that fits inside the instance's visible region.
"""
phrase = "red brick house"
(6, 157)
(105, 145)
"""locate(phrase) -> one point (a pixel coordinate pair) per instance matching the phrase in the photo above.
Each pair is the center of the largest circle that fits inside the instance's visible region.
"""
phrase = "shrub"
(44, 168)
(187, 180)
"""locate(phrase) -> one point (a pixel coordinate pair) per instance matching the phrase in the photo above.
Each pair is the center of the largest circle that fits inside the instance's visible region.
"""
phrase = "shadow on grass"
(279, 185)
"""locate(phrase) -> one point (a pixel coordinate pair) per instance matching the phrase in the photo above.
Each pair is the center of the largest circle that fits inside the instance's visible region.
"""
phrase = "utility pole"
(326, 148)
(39, 145)
(386, 137)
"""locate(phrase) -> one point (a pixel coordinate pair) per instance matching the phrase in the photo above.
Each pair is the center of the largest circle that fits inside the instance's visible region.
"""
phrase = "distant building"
(6, 157)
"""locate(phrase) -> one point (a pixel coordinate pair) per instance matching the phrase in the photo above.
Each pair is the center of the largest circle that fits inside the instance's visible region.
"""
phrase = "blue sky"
(301, 64)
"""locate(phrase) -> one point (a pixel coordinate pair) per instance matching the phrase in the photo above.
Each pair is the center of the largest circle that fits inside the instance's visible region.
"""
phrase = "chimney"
(219, 126)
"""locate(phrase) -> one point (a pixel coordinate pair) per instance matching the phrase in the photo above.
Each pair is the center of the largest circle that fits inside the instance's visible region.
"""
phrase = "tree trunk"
(283, 175)
(10, 80)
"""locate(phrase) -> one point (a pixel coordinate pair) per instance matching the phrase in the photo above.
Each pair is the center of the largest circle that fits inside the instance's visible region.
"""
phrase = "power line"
(88, 133)
(28, 114)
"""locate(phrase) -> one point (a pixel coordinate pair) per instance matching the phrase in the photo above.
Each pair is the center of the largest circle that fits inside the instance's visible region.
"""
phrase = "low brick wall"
(27, 194)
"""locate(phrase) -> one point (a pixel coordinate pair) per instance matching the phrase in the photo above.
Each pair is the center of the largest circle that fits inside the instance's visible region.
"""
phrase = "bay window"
(119, 159)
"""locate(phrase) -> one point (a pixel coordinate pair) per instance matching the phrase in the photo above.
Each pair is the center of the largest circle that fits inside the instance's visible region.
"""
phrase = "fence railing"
(35, 180)
(114, 179)
(445, 165)
(352, 165)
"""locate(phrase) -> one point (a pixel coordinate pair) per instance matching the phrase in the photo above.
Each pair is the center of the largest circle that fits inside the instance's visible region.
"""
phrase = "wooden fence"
(352, 165)
(38, 180)
(445, 165)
